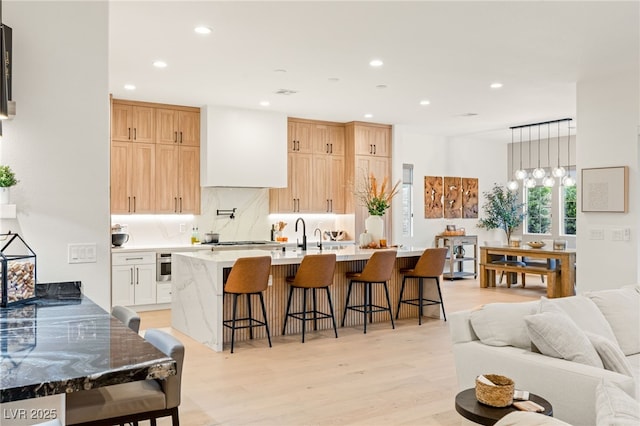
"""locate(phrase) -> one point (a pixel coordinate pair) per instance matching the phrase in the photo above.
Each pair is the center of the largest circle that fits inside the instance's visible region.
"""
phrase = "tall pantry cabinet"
(155, 158)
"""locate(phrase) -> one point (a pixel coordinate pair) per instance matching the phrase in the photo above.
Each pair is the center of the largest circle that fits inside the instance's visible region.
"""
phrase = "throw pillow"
(610, 353)
(583, 311)
(621, 308)
(556, 335)
(502, 324)
(615, 407)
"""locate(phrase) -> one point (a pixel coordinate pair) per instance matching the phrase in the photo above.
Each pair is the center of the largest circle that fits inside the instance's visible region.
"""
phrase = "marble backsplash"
(252, 220)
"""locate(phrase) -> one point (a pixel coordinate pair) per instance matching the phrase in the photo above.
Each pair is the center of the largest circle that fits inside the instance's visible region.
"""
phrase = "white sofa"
(497, 339)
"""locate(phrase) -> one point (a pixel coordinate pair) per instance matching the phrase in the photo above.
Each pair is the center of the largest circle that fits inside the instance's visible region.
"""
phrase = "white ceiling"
(446, 52)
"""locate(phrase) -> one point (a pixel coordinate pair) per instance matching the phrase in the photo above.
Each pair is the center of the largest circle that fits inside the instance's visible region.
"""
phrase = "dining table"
(63, 342)
(562, 272)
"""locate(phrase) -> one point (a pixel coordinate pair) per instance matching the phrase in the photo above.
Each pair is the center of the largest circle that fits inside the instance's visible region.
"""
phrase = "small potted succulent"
(7, 180)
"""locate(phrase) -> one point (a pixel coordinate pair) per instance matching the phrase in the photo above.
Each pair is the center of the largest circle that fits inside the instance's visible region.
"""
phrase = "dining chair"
(133, 401)
(128, 316)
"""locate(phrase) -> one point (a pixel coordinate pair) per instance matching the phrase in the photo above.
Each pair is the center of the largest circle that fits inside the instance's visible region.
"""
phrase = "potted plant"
(502, 210)
(377, 199)
(7, 180)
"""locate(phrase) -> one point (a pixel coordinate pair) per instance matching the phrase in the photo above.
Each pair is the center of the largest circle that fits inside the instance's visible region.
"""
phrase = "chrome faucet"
(303, 246)
(319, 237)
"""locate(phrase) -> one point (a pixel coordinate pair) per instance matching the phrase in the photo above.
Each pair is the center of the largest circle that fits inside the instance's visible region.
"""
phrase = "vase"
(4, 195)
(375, 226)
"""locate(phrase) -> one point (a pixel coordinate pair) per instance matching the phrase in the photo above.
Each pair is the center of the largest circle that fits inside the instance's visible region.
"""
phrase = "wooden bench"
(488, 270)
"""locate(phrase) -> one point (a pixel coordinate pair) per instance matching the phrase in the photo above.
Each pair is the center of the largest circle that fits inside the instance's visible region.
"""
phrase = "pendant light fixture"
(520, 174)
(512, 185)
(548, 180)
(559, 171)
(530, 182)
(538, 172)
(568, 180)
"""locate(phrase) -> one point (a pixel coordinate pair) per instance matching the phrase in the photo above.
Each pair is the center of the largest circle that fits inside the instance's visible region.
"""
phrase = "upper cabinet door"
(143, 124)
(320, 137)
(121, 122)
(300, 137)
(336, 140)
(189, 128)
(166, 126)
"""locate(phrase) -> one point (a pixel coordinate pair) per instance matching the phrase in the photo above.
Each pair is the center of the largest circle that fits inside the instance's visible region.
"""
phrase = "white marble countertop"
(207, 247)
(293, 256)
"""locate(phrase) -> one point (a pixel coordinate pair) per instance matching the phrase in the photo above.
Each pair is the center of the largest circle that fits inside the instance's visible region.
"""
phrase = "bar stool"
(377, 271)
(430, 265)
(250, 276)
(315, 272)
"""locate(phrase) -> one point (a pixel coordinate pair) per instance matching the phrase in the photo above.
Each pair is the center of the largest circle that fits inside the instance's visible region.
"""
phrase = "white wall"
(439, 156)
(58, 143)
(608, 112)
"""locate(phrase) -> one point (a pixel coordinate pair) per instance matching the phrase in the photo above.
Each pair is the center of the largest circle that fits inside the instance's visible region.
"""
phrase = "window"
(568, 205)
(407, 200)
(538, 202)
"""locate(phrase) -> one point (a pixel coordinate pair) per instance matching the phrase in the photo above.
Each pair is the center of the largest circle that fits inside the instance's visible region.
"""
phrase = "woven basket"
(500, 395)
(453, 233)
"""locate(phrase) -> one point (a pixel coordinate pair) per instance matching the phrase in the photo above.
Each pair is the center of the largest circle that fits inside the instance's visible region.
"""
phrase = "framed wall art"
(605, 189)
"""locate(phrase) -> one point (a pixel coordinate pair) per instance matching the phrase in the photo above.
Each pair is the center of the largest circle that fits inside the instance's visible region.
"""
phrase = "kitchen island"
(198, 308)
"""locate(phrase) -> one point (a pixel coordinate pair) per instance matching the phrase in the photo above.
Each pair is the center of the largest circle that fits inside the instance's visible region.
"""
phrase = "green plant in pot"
(7, 180)
(502, 210)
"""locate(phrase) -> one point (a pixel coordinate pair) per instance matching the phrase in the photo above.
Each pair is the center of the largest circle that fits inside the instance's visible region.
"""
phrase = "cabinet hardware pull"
(330, 148)
(331, 204)
(175, 204)
(129, 204)
(175, 137)
(135, 133)
(180, 136)
(328, 206)
(370, 149)
(131, 280)
(134, 204)
(180, 204)
(327, 149)
(129, 133)
(374, 149)
(137, 276)
(133, 258)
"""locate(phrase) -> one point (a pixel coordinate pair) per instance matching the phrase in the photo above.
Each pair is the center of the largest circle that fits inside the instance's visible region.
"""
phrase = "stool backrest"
(128, 316)
(316, 270)
(379, 267)
(171, 347)
(249, 275)
(431, 263)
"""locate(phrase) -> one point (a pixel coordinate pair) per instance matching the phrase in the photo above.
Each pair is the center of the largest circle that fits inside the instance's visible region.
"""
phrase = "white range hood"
(243, 148)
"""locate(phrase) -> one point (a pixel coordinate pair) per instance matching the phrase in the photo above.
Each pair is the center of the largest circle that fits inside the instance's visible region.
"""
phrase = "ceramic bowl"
(536, 244)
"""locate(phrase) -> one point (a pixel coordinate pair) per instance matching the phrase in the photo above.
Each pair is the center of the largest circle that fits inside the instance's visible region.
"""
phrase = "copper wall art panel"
(470, 198)
(433, 197)
(452, 197)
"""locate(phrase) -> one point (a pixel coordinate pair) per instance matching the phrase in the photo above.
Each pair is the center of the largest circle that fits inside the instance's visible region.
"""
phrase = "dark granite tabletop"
(63, 342)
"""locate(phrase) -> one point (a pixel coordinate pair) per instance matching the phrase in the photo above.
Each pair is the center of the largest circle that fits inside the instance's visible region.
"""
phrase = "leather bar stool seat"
(429, 266)
(248, 276)
(377, 270)
(315, 272)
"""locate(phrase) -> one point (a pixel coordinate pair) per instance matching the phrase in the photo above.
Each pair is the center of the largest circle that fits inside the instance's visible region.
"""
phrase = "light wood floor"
(404, 376)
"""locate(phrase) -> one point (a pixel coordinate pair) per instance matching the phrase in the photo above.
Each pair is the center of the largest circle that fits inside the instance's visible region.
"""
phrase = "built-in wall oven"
(163, 267)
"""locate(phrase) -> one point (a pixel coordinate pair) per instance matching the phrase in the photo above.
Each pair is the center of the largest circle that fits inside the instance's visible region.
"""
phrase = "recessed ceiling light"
(202, 29)
(160, 64)
(376, 63)
(265, 103)
(381, 86)
(281, 70)
(334, 79)
(424, 102)
(129, 87)
(368, 116)
(496, 85)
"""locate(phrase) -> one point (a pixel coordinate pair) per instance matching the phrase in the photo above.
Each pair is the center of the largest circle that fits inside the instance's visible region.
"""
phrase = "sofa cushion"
(556, 335)
(610, 354)
(621, 308)
(615, 407)
(583, 311)
(502, 324)
(529, 418)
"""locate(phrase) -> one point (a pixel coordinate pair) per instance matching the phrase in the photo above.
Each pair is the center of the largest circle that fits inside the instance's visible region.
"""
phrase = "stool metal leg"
(264, 314)
(304, 312)
(367, 292)
(315, 311)
(386, 292)
(250, 316)
(441, 300)
(333, 318)
(286, 315)
(401, 293)
(370, 285)
(233, 320)
(420, 299)
(346, 305)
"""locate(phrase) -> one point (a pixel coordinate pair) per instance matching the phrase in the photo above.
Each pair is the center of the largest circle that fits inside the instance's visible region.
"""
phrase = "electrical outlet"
(183, 228)
(617, 235)
(82, 253)
(627, 234)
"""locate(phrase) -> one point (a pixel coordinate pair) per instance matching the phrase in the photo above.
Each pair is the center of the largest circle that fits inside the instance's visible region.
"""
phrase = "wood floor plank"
(404, 376)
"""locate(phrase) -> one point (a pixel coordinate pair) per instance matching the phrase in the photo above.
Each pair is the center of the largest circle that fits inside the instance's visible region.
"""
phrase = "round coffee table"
(468, 407)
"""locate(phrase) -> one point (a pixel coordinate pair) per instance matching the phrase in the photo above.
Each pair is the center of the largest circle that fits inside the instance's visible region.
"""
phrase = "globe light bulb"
(520, 174)
(548, 181)
(559, 172)
(538, 173)
(512, 185)
(568, 181)
(530, 182)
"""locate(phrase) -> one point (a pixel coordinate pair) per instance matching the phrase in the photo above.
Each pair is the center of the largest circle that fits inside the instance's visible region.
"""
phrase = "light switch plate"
(596, 234)
(82, 253)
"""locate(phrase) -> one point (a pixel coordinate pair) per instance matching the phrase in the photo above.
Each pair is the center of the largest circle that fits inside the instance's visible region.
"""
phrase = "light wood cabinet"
(174, 126)
(297, 196)
(132, 178)
(328, 169)
(130, 123)
(299, 136)
(372, 140)
(177, 179)
(162, 176)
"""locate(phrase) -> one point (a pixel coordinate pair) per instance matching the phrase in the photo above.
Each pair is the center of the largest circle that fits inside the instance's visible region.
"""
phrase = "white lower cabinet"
(164, 293)
(133, 279)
